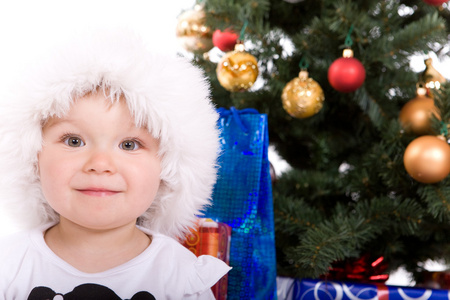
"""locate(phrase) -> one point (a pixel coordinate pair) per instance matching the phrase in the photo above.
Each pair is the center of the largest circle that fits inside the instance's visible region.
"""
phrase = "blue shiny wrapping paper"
(307, 289)
(242, 198)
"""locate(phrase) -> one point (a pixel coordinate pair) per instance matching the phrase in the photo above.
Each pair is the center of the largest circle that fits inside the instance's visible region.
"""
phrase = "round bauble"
(237, 70)
(435, 2)
(192, 33)
(346, 74)
(415, 115)
(224, 40)
(427, 159)
(302, 97)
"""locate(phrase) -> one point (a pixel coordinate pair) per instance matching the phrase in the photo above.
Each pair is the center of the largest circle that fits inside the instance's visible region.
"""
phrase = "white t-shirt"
(165, 270)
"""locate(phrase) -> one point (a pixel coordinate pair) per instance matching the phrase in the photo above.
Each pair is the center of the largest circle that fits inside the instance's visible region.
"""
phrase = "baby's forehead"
(93, 106)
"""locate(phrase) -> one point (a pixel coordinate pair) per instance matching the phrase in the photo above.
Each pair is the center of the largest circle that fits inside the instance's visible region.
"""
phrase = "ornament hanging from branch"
(238, 70)
(302, 97)
(225, 40)
(346, 74)
(427, 158)
(415, 116)
(192, 32)
(432, 78)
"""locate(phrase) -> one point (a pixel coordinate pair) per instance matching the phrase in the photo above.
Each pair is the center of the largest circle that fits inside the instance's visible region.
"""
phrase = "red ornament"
(435, 2)
(224, 40)
(346, 74)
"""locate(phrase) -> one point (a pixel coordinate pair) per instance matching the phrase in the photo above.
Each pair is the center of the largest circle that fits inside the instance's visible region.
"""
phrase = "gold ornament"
(191, 31)
(431, 77)
(415, 116)
(427, 159)
(302, 97)
(237, 70)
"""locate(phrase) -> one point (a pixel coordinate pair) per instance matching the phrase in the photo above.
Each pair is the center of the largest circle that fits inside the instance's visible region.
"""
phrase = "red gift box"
(211, 238)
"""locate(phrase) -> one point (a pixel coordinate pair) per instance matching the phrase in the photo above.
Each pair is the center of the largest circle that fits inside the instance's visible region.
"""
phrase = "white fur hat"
(167, 94)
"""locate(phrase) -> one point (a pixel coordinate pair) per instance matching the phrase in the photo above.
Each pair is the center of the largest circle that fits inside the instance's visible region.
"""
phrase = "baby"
(108, 155)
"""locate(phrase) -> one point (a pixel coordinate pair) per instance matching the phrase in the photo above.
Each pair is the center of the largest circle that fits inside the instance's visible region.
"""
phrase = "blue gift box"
(336, 290)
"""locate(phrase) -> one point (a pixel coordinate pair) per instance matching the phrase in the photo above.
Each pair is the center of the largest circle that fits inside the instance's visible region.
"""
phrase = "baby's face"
(97, 169)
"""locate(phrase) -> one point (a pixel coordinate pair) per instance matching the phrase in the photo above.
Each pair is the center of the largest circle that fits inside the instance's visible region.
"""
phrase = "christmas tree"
(348, 195)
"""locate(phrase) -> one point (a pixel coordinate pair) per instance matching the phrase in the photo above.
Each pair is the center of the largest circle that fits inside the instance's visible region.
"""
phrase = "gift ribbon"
(223, 112)
(382, 292)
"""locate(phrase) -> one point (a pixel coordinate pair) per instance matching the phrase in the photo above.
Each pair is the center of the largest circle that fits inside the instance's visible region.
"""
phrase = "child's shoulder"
(168, 247)
(201, 273)
(14, 242)
(16, 245)
(13, 250)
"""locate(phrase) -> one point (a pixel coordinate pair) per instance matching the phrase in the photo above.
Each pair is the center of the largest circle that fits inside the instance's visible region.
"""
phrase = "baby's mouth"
(98, 192)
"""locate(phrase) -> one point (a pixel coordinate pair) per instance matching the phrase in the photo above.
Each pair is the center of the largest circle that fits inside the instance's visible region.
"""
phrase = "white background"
(28, 27)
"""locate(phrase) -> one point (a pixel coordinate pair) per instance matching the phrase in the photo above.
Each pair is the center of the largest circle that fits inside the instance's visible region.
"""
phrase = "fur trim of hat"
(166, 94)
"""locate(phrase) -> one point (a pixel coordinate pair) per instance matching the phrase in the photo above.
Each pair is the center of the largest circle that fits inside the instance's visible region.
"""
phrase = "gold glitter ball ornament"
(237, 70)
(302, 97)
(191, 31)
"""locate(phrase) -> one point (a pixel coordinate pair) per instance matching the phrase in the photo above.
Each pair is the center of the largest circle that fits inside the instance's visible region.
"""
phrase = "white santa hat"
(166, 94)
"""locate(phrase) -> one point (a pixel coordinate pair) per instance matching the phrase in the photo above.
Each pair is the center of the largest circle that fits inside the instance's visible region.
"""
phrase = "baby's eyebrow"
(51, 122)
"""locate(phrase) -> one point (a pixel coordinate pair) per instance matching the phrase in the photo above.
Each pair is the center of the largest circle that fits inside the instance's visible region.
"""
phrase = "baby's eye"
(129, 145)
(73, 141)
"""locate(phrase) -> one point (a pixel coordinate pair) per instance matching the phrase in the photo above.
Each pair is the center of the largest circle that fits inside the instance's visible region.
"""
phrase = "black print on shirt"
(86, 292)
